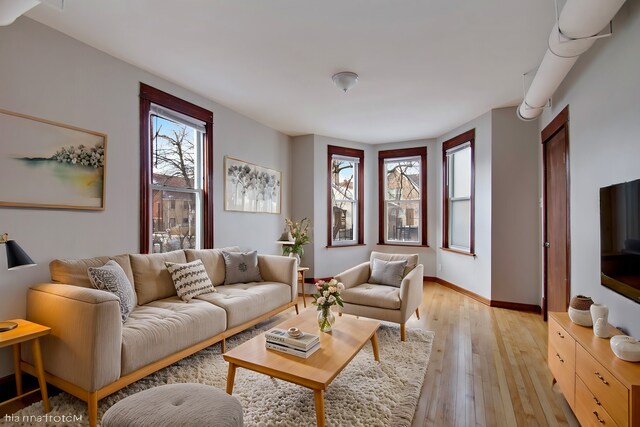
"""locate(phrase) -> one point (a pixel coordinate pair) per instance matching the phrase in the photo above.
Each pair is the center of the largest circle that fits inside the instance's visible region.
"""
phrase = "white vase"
(600, 316)
(626, 348)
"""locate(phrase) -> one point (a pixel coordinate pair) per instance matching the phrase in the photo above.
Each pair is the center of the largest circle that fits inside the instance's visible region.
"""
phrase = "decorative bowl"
(626, 348)
(294, 332)
(580, 317)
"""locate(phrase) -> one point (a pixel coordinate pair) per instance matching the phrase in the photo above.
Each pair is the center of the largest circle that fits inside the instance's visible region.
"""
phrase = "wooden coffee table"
(337, 349)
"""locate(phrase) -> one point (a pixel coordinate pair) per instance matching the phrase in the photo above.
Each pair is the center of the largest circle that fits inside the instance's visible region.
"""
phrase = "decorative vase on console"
(579, 310)
(600, 316)
(626, 348)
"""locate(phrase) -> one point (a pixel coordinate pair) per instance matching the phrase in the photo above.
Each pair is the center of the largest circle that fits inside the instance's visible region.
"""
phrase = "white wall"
(49, 75)
(303, 201)
(515, 226)
(473, 274)
(603, 95)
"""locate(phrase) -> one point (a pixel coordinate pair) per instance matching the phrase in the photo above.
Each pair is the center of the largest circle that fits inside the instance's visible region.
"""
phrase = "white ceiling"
(425, 66)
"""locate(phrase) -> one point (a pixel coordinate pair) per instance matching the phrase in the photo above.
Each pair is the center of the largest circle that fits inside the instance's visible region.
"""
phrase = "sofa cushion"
(246, 301)
(412, 259)
(212, 260)
(166, 326)
(112, 278)
(190, 279)
(241, 267)
(151, 277)
(388, 273)
(74, 271)
(373, 295)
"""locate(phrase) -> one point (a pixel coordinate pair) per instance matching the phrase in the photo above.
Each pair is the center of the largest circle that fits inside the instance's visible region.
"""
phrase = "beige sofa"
(90, 353)
(383, 302)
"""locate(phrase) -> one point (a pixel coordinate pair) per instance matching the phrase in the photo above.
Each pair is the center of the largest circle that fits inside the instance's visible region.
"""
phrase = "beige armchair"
(383, 302)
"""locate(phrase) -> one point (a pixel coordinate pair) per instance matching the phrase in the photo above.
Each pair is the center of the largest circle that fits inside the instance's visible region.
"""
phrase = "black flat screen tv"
(620, 238)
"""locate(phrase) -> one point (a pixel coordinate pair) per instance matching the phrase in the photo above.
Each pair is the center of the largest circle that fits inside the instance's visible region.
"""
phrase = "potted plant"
(299, 233)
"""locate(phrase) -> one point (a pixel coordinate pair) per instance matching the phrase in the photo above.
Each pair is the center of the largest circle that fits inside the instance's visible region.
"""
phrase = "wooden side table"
(27, 331)
(301, 271)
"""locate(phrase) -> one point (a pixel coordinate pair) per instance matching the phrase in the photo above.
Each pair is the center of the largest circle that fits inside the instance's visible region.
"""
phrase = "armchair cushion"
(373, 295)
(412, 259)
(388, 273)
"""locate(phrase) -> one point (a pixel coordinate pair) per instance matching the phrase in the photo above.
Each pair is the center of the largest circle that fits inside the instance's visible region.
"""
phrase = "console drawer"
(562, 341)
(611, 393)
(589, 409)
(562, 367)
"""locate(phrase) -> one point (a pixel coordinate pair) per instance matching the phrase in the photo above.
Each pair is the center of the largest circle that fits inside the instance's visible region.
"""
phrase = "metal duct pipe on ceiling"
(10, 10)
(575, 32)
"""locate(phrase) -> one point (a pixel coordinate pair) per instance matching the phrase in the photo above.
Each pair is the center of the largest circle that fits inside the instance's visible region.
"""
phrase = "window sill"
(344, 246)
(406, 245)
(456, 251)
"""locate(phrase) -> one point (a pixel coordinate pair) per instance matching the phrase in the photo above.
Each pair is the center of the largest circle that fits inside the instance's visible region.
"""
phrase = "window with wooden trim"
(176, 173)
(458, 193)
(402, 190)
(345, 196)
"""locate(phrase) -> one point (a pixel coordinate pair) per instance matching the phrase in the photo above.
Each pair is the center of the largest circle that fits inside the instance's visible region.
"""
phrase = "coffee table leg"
(374, 345)
(231, 376)
(318, 396)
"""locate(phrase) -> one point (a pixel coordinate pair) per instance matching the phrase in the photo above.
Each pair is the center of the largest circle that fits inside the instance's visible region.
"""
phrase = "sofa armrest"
(281, 269)
(411, 292)
(354, 276)
(85, 342)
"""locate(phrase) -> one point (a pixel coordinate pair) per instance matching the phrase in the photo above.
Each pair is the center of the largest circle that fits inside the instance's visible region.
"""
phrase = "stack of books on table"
(302, 346)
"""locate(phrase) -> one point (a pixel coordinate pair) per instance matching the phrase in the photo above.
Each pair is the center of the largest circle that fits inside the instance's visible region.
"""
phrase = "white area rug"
(366, 393)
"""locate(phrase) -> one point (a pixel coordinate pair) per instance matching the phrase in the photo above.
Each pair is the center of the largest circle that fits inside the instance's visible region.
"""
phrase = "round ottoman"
(176, 405)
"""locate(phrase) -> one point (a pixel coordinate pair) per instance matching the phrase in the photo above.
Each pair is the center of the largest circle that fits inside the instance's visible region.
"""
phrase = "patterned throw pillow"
(112, 278)
(387, 272)
(190, 279)
(241, 267)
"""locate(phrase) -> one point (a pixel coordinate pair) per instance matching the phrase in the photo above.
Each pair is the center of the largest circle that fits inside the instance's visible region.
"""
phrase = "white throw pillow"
(388, 273)
(190, 279)
(112, 278)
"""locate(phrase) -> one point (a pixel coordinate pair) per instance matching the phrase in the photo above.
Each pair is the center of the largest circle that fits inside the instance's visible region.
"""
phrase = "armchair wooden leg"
(403, 332)
(93, 409)
(297, 312)
(339, 314)
(418, 313)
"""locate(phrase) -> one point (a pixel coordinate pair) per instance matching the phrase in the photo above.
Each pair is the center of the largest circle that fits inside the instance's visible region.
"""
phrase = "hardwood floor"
(488, 365)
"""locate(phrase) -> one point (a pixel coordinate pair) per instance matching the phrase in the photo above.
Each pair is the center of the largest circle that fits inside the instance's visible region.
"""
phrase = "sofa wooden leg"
(223, 346)
(93, 409)
(340, 314)
(403, 332)
(297, 311)
(418, 313)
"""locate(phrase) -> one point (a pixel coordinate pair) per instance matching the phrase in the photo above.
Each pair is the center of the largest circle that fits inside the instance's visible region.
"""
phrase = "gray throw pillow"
(112, 278)
(241, 267)
(387, 272)
(190, 279)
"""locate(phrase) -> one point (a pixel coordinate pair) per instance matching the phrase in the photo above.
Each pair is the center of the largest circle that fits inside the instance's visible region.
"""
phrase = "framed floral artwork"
(251, 188)
(44, 164)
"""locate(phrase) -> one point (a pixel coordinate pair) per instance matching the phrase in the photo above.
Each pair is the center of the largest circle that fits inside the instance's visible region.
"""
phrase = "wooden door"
(557, 267)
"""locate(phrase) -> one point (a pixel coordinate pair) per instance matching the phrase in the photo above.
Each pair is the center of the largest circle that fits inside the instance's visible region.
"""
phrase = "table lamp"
(16, 258)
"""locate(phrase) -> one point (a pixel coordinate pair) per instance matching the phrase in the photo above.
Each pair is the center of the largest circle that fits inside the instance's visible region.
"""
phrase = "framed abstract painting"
(44, 164)
(251, 188)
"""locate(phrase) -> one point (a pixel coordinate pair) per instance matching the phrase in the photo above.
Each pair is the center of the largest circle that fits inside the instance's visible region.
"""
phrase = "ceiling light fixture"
(345, 80)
